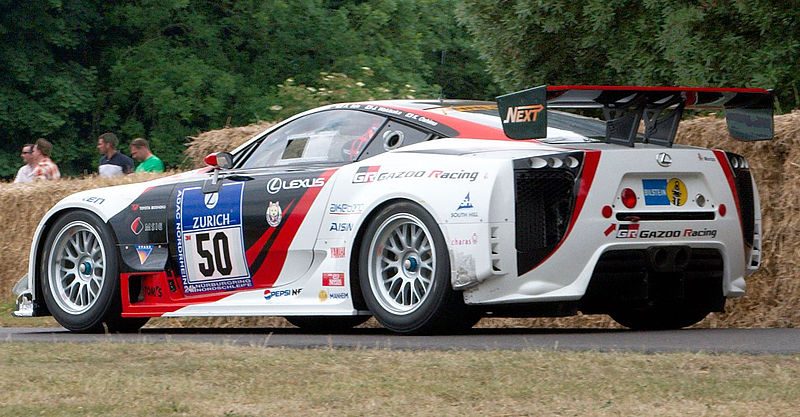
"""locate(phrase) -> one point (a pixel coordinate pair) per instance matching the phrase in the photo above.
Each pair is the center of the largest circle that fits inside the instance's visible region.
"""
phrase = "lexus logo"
(664, 159)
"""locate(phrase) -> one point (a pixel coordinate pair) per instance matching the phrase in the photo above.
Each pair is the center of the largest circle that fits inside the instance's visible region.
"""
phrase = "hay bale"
(23, 205)
(221, 140)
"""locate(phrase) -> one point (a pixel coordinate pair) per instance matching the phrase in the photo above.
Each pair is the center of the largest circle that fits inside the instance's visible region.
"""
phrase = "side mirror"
(219, 160)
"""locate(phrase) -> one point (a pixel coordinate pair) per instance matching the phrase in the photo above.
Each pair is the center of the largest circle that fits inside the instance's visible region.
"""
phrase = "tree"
(710, 43)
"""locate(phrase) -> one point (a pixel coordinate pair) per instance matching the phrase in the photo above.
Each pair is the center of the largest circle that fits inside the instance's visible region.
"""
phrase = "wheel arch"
(355, 250)
(43, 230)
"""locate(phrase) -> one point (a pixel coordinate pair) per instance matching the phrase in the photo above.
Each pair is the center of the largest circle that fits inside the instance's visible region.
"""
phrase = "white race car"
(427, 215)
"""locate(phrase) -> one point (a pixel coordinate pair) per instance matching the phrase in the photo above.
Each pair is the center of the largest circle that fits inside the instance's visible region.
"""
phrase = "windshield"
(336, 136)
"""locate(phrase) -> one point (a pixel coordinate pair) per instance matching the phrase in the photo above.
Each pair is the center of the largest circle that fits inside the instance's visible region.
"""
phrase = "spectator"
(25, 173)
(140, 151)
(113, 162)
(45, 169)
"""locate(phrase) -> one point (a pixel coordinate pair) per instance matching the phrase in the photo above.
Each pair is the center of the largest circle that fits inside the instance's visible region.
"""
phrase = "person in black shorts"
(113, 162)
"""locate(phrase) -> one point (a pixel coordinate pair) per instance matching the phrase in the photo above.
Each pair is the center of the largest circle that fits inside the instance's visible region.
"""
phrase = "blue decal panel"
(655, 192)
(210, 240)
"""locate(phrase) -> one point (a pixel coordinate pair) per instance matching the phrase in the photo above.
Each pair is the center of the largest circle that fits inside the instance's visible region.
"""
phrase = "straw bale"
(23, 205)
(221, 140)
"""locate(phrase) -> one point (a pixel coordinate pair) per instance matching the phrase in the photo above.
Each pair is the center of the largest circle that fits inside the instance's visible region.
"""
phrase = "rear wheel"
(404, 273)
(79, 273)
(660, 317)
(326, 324)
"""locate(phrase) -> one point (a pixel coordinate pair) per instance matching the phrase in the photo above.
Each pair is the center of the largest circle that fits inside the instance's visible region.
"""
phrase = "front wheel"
(79, 272)
(404, 273)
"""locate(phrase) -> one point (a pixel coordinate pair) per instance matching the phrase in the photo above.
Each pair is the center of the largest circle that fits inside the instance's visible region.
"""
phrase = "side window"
(327, 137)
(393, 136)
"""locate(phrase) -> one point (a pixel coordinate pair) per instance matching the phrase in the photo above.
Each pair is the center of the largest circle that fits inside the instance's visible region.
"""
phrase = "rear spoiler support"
(748, 111)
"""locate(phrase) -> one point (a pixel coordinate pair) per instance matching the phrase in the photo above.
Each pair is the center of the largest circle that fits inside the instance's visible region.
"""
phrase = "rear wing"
(748, 111)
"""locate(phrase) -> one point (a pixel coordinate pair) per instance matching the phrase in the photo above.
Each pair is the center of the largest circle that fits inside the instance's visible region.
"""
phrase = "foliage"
(331, 88)
(169, 69)
(730, 43)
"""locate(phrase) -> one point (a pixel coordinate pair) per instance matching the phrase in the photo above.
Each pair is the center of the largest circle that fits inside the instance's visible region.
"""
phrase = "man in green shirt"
(140, 151)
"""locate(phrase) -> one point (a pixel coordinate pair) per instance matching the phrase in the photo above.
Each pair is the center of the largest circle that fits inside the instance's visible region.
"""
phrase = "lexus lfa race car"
(427, 215)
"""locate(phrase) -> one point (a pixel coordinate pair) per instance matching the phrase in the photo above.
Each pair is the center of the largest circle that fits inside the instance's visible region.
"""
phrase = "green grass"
(172, 379)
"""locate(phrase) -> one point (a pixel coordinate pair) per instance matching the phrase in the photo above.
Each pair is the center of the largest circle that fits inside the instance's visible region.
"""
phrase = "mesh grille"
(544, 202)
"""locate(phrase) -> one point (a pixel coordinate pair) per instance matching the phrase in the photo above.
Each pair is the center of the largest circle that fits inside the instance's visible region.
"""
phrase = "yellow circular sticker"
(676, 190)
(323, 295)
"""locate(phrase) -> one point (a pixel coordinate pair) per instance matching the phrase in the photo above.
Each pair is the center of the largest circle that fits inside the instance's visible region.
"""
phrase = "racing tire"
(79, 273)
(660, 317)
(326, 324)
(404, 273)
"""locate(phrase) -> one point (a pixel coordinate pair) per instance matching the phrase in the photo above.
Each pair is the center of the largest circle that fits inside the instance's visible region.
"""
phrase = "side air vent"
(545, 198)
(744, 189)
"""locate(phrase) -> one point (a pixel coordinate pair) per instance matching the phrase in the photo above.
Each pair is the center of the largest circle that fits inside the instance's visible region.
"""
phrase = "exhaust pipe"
(669, 258)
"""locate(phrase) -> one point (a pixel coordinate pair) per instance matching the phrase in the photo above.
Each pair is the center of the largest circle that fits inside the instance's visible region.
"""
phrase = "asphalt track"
(717, 341)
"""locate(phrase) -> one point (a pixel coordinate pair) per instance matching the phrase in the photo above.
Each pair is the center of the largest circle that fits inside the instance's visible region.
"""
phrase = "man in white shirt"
(25, 173)
(112, 162)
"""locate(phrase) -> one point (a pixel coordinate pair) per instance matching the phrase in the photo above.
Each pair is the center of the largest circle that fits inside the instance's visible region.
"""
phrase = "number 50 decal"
(219, 256)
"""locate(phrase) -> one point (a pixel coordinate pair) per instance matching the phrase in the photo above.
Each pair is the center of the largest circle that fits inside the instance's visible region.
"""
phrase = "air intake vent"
(544, 204)
(744, 189)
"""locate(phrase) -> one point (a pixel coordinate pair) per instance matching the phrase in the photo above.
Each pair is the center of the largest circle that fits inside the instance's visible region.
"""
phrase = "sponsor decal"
(383, 109)
(451, 175)
(465, 209)
(338, 295)
(211, 200)
(677, 192)
(139, 207)
(465, 242)
(144, 252)
(520, 114)
(466, 204)
(655, 192)
(628, 231)
(210, 241)
(337, 252)
(371, 174)
(95, 200)
(341, 227)
(333, 279)
(700, 157)
(289, 292)
(152, 291)
(274, 214)
(323, 295)
(137, 226)
(346, 208)
(386, 110)
(275, 185)
(635, 231)
(663, 192)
